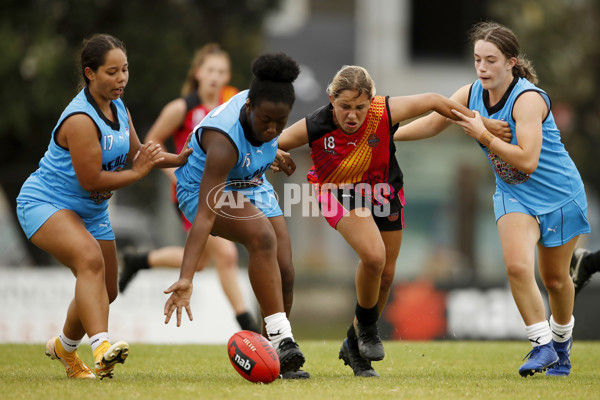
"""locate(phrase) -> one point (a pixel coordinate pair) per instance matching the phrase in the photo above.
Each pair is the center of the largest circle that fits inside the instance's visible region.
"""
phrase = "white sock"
(98, 339)
(278, 328)
(69, 345)
(562, 333)
(539, 334)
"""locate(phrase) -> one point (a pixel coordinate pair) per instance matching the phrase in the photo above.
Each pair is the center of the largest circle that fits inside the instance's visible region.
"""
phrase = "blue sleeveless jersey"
(55, 180)
(252, 161)
(556, 181)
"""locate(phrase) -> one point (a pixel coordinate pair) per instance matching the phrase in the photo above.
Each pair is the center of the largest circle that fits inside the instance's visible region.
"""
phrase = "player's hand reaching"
(181, 292)
(146, 158)
(283, 162)
(185, 151)
(498, 128)
(472, 126)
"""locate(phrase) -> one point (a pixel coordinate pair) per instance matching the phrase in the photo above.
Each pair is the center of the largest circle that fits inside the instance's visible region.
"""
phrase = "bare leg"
(258, 236)
(364, 237)
(392, 241)
(519, 234)
(284, 259)
(111, 268)
(225, 256)
(168, 256)
(65, 237)
(554, 271)
(362, 234)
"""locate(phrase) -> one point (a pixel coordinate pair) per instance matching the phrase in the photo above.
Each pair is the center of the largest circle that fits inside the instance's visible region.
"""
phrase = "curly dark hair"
(273, 77)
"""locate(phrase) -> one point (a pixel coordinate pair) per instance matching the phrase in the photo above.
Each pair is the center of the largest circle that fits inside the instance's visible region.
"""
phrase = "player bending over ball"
(223, 191)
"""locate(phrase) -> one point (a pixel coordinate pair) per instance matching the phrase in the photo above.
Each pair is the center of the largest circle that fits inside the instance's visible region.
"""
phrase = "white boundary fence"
(33, 304)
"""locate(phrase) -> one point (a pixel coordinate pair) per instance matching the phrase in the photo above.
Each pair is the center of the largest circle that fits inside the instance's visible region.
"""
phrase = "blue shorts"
(263, 197)
(33, 214)
(556, 227)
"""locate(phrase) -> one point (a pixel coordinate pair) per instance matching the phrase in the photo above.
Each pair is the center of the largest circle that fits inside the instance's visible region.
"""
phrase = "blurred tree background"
(561, 39)
(40, 42)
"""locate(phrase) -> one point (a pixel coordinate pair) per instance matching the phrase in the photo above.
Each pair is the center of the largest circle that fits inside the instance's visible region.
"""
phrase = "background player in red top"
(204, 88)
(359, 186)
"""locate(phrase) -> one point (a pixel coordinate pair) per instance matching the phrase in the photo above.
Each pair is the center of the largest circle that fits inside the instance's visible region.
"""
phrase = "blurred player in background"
(359, 187)
(540, 200)
(224, 192)
(584, 264)
(63, 205)
(204, 88)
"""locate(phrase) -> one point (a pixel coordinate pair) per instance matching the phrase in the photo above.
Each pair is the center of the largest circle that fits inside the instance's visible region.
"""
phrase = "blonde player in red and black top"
(357, 170)
(205, 87)
(359, 187)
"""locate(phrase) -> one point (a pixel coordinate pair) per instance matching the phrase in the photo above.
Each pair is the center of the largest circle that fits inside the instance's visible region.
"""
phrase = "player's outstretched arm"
(221, 157)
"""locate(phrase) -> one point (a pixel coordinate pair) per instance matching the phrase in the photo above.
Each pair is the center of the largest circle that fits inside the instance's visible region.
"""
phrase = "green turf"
(411, 370)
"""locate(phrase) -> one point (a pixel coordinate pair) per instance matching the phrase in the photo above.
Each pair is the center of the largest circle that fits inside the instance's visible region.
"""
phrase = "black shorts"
(388, 213)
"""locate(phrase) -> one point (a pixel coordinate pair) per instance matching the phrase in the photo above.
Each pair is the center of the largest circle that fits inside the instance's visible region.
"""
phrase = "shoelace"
(532, 353)
(288, 344)
(77, 365)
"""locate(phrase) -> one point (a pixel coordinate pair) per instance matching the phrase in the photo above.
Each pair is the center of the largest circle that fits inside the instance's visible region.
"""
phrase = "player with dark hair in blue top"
(540, 199)
(63, 205)
(224, 192)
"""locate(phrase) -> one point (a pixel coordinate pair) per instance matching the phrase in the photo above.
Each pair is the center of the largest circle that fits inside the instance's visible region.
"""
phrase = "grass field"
(410, 370)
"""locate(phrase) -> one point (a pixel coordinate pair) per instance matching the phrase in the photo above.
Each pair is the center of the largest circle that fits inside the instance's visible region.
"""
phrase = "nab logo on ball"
(253, 357)
(245, 363)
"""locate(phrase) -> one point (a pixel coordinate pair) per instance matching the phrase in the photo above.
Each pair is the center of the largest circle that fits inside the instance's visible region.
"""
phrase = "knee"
(89, 261)
(374, 261)
(263, 241)
(227, 256)
(517, 271)
(554, 284)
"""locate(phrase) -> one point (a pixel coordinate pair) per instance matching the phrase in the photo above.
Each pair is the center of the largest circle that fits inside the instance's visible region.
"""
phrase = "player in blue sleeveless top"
(205, 87)
(63, 205)
(223, 191)
(540, 199)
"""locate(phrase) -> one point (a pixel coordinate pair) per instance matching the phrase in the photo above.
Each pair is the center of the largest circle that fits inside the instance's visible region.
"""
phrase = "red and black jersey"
(366, 156)
(196, 111)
